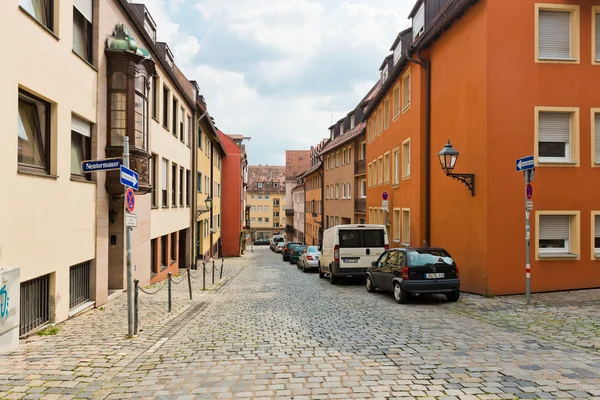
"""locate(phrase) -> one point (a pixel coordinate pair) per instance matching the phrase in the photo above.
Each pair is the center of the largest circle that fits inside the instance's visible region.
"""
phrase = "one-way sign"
(525, 164)
(129, 178)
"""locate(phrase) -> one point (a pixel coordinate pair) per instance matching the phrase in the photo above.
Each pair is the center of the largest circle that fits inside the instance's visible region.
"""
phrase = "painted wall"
(313, 219)
(231, 194)
(341, 207)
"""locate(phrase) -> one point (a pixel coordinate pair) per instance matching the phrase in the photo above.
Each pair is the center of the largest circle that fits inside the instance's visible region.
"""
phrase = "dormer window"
(260, 185)
(384, 74)
(418, 22)
(398, 52)
(341, 128)
(331, 133)
(150, 26)
(352, 122)
(276, 185)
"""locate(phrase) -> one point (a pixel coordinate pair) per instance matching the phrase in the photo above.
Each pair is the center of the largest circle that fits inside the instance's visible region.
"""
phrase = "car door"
(377, 271)
(389, 270)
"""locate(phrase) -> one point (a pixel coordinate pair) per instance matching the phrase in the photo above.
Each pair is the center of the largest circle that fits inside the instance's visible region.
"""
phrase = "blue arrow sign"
(525, 164)
(129, 178)
(100, 165)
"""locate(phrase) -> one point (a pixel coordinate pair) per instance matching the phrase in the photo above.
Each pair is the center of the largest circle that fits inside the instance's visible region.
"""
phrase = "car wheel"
(304, 268)
(400, 295)
(370, 285)
(454, 296)
(321, 274)
(332, 278)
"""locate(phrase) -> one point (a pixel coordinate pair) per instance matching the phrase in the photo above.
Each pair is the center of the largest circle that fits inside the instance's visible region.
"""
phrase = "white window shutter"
(80, 126)
(554, 227)
(597, 138)
(554, 127)
(85, 7)
(554, 34)
(597, 19)
(597, 226)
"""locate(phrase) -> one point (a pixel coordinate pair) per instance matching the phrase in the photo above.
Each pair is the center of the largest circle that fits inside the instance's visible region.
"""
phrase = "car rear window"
(313, 249)
(298, 249)
(428, 256)
(354, 238)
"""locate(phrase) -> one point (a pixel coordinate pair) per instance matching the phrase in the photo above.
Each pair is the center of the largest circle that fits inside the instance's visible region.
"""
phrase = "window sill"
(77, 178)
(556, 163)
(557, 60)
(405, 109)
(44, 27)
(165, 206)
(405, 177)
(156, 119)
(557, 256)
(34, 172)
(89, 64)
(154, 207)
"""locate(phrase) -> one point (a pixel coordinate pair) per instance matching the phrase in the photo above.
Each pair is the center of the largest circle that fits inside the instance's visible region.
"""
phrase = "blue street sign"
(129, 178)
(525, 164)
(100, 165)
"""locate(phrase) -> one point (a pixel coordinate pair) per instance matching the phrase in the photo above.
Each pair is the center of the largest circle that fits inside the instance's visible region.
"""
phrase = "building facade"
(313, 187)
(298, 201)
(296, 162)
(265, 196)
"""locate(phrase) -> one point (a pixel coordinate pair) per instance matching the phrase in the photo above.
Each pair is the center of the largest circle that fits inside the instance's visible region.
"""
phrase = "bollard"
(136, 283)
(189, 282)
(213, 274)
(203, 275)
(221, 275)
(169, 288)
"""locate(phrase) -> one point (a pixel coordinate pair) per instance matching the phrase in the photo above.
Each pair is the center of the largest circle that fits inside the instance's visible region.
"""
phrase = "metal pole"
(221, 275)
(169, 289)
(189, 282)
(213, 274)
(203, 275)
(136, 282)
(128, 245)
(527, 243)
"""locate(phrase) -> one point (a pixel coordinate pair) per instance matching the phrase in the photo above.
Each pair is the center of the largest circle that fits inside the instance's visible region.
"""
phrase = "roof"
(312, 169)
(345, 138)
(414, 10)
(296, 162)
(268, 176)
(298, 187)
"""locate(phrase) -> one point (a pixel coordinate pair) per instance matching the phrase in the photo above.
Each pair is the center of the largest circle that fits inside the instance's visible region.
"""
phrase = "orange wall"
(231, 199)
(312, 224)
(517, 85)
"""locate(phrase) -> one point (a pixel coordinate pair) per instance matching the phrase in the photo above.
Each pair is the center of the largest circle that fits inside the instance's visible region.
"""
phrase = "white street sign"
(384, 205)
(131, 220)
(529, 205)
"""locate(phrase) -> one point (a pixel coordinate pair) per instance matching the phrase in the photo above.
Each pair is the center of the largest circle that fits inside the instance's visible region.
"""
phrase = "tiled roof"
(345, 138)
(312, 169)
(296, 162)
(268, 176)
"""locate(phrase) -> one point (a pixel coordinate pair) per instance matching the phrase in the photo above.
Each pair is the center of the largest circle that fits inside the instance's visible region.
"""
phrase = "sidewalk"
(570, 317)
(93, 350)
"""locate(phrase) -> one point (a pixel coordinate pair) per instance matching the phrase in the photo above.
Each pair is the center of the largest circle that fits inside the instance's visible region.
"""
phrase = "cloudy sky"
(279, 71)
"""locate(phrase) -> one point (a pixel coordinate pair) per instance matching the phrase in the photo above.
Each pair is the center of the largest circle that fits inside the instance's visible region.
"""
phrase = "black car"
(262, 242)
(411, 271)
(286, 252)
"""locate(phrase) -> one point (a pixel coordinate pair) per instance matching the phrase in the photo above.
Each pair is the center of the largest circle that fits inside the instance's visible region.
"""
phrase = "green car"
(295, 253)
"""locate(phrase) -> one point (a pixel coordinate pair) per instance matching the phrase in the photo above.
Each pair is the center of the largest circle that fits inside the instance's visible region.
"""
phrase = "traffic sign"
(129, 178)
(384, 195)
(384, 205)
(130, 200)
(525, 163)
(529, 191)
(131, 220)
(529, 205)
(100, 165)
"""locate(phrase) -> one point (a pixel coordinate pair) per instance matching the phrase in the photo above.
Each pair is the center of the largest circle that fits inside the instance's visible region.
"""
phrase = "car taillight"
(309, 257)
(457, 273)
(387, 247)
(405, 273)
(336, 254)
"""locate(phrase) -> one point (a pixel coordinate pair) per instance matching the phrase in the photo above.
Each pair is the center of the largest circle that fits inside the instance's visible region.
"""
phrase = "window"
(363, 188)
(337, 159)
(596, 35)
(362, 221)
(386, 112)
(380, 170)
(81, 145)
(199, 137)
(327, 192)
(188, 187)
(554, 234)
(352, 122)
(154, 268)
(406, 158)
(595, 234)
(252, 196)
(341, 128)
(155, 96)
(348, 191)
(189, 135)
(181, 185)
(266, 197)
(43, 11)
(379, 120)
(174, 184)
(396, 224)
(363, 151)
(266, 220)
(163, 182)
(260, 196)
(33, 132)
(406, 91)
(595, 136)
(181, 124)
(253, 208)
(260, 185)
(557, 33)
(164, 250)
(166, 101)
(386, 167)
(276, 185)
(154, 180)
(267, 208)
(337, 190)
(396, 101)
(82, 27)
(349, 154)
(141, 112)
(418, 22)
(260, 220)
(557, 135)
(343, 190)
(396, 167)
(173, 247)
(406, 226)
(253, 219)
(337, 221)
(260, 208)
(175, 108)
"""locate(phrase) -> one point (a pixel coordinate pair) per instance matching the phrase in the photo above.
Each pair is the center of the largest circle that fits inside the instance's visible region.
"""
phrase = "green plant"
(50, 330)
(101, 308)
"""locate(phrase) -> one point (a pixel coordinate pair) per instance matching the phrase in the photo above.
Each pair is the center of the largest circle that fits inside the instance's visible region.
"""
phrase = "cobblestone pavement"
(273, 332)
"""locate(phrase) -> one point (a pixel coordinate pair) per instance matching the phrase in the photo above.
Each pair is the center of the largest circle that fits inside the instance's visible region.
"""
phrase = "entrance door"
(198, 239)
(183, 262)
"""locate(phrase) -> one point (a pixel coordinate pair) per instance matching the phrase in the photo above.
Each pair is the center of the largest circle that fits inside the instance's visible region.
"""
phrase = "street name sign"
(100, 165)
(525, 164)
(129, 178)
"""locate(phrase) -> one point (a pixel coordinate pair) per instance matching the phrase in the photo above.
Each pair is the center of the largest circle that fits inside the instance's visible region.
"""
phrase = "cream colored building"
(266, 198)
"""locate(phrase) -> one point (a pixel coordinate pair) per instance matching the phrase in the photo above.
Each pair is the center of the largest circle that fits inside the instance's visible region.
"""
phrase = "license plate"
(434, 276)
(316, 257)
(350, 260)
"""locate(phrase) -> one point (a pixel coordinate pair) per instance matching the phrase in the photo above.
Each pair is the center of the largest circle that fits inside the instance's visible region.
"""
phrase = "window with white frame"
(396, 167)
(337, 190)
(267, 208)
(554, 136)
(406, 91)
(363, 188)
(596, 138)
(253, 219)
(363, 151)
(597, 235)
(253, 208)
(259, 185)
(82, 27)
(405, 226)
(406, 159)
(266, 220)
(380, 170)
(260, 197)
(352, 122)
(348, 190)
(260, 220)
(396, 101)
(396, 224)
(418, 22)
(554, 234)
(81, 145)
(33, 132)
(386, 167)
(349, 154)
(341, 128)
(557, 27)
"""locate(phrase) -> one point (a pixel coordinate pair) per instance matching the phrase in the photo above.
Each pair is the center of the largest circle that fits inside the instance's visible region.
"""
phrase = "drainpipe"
(425, 63)
(195, 238)
(322, 175)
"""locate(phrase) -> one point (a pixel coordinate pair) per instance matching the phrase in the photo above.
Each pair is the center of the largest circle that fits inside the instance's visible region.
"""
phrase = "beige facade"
(267, 213)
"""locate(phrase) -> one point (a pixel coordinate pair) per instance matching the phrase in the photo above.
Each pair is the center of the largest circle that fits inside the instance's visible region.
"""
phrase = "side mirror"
(374, 263)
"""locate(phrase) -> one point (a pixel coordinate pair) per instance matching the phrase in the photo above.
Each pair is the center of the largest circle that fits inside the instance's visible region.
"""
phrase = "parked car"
(412, 271)
(275, 240)
(286, 250)
(349, 250)
(309, 259)
(296, 252)
(261, 242)
(279, 247)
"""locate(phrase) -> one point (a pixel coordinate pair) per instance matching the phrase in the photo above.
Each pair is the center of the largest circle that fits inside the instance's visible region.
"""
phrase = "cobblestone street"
(269, 331)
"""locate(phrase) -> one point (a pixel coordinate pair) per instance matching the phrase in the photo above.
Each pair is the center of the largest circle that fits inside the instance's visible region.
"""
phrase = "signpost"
(100, 165)
(527, 166)
(384, 201)
(129, 178)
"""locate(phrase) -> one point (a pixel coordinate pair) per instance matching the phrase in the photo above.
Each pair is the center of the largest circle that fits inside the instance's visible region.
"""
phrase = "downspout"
(425, 63)
(322, 175)
(196, 237)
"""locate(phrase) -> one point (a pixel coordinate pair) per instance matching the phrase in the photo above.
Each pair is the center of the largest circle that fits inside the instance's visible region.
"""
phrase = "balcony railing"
(360, 205)
(360, 167)
(289, 211)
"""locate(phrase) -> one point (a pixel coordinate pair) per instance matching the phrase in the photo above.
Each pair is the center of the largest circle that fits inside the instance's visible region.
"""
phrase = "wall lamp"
(112, 216)
(448, 157)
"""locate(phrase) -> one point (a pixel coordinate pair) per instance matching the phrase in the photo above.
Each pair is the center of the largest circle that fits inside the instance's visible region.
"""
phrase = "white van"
(348, 250)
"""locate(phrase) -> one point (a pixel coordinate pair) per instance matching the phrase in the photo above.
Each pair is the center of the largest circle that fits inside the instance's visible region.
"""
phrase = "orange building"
(502, 79)
(313, 192)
